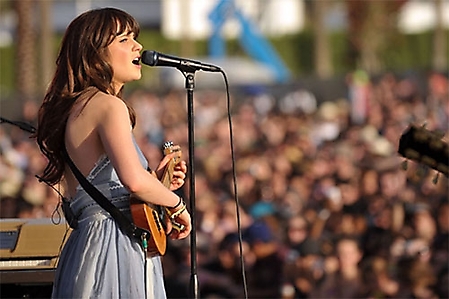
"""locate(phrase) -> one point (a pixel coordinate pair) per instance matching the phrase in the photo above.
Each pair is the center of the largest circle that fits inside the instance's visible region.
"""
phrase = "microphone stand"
(190, 85)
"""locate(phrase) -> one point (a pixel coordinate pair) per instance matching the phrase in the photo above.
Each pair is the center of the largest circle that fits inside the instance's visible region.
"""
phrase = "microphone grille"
(149, 57)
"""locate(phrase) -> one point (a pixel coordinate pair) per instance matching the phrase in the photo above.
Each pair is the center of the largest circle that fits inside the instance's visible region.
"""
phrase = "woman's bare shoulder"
(103, 100)
(103, 105)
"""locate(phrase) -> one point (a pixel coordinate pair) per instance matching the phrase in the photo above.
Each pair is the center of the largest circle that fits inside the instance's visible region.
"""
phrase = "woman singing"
(84, 113)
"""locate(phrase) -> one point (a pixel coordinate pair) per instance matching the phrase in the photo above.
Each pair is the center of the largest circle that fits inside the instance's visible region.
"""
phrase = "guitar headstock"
(170, 148)
(425, 147)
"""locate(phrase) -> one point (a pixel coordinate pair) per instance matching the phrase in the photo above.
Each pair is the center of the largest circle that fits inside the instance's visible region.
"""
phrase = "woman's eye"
(123, 40)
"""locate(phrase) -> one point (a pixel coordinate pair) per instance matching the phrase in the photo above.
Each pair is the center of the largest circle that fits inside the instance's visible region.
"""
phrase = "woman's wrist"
(180, 202)
(177, 210)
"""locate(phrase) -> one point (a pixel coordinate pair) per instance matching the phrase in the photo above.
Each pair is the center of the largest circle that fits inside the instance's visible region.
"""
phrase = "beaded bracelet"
(173, 215)
(177, 213)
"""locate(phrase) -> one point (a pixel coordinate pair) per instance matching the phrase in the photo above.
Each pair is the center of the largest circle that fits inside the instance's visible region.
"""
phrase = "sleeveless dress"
(98, 259)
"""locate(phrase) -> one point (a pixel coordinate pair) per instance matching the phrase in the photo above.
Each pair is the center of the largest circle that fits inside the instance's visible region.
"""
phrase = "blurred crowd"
(324, 208)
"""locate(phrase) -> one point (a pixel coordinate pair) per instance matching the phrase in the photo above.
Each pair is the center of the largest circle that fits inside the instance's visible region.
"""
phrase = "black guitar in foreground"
(425, 147)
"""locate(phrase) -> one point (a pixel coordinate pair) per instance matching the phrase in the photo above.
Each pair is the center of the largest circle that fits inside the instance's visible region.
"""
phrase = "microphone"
(21, 124)
(153, 58)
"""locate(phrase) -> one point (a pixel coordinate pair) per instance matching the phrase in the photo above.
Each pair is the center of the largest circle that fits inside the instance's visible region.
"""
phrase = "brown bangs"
(125, 24)
(109, 23)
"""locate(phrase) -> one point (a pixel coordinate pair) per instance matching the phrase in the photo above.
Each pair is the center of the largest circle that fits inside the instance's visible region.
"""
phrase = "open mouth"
(136, 61)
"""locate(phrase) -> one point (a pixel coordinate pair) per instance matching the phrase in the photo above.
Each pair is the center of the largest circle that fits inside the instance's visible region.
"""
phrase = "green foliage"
(6, 71)
(413, 51)
(296, 51)
(340, 49)
(405, 53)
(153, 40)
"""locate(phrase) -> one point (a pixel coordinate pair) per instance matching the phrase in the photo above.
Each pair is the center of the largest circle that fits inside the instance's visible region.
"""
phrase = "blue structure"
(251, 39)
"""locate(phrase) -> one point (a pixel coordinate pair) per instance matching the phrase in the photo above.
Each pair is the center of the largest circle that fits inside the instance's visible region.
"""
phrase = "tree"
(26, 75)
(322, 57)
(46, 44)
(439, 56)
(372, 26)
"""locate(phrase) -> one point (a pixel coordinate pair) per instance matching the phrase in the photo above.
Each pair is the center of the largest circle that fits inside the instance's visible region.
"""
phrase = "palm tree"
(372, 25)
(322, 57)
(46, 45)
(26, 77)
(439, 61)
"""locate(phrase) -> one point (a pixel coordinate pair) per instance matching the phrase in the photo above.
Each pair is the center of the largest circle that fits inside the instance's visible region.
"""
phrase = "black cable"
(234, 177)
(57, 212)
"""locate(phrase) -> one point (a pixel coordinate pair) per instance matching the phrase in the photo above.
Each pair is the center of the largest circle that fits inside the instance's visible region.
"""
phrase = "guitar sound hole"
(161, 213)
(157, 220)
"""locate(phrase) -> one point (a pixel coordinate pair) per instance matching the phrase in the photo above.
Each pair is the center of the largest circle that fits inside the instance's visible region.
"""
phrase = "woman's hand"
(183, 219)
(179, 175)
(179, 169)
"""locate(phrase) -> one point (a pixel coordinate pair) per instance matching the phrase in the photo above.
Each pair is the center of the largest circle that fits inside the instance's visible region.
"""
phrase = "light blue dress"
(98, 259)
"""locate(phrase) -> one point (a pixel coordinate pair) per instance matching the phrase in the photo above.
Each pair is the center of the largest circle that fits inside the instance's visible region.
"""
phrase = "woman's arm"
(114, 130)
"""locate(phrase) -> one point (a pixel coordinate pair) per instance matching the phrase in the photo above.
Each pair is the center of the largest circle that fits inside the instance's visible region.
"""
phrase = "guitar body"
(153, 218)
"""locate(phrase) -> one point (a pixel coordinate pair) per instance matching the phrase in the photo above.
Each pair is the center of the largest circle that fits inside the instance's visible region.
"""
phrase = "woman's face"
(124, 54)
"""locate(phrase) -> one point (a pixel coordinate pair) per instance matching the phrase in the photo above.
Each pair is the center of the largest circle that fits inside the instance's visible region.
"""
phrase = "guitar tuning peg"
(436, 178)
(167, 144)
(404, 165)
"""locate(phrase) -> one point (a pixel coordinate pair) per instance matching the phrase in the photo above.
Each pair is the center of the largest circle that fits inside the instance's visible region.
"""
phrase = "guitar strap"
(125, 224)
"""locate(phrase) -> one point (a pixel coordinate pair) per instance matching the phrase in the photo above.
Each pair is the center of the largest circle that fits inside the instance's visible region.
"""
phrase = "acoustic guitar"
(425, 147)
(153, 217)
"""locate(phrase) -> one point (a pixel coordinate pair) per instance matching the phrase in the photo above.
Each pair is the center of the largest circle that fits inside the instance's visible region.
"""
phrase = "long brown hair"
(82, 70)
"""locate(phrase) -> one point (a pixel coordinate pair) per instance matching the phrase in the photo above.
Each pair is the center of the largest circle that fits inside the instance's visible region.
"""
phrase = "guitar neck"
(169, 168)
(168, 173)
